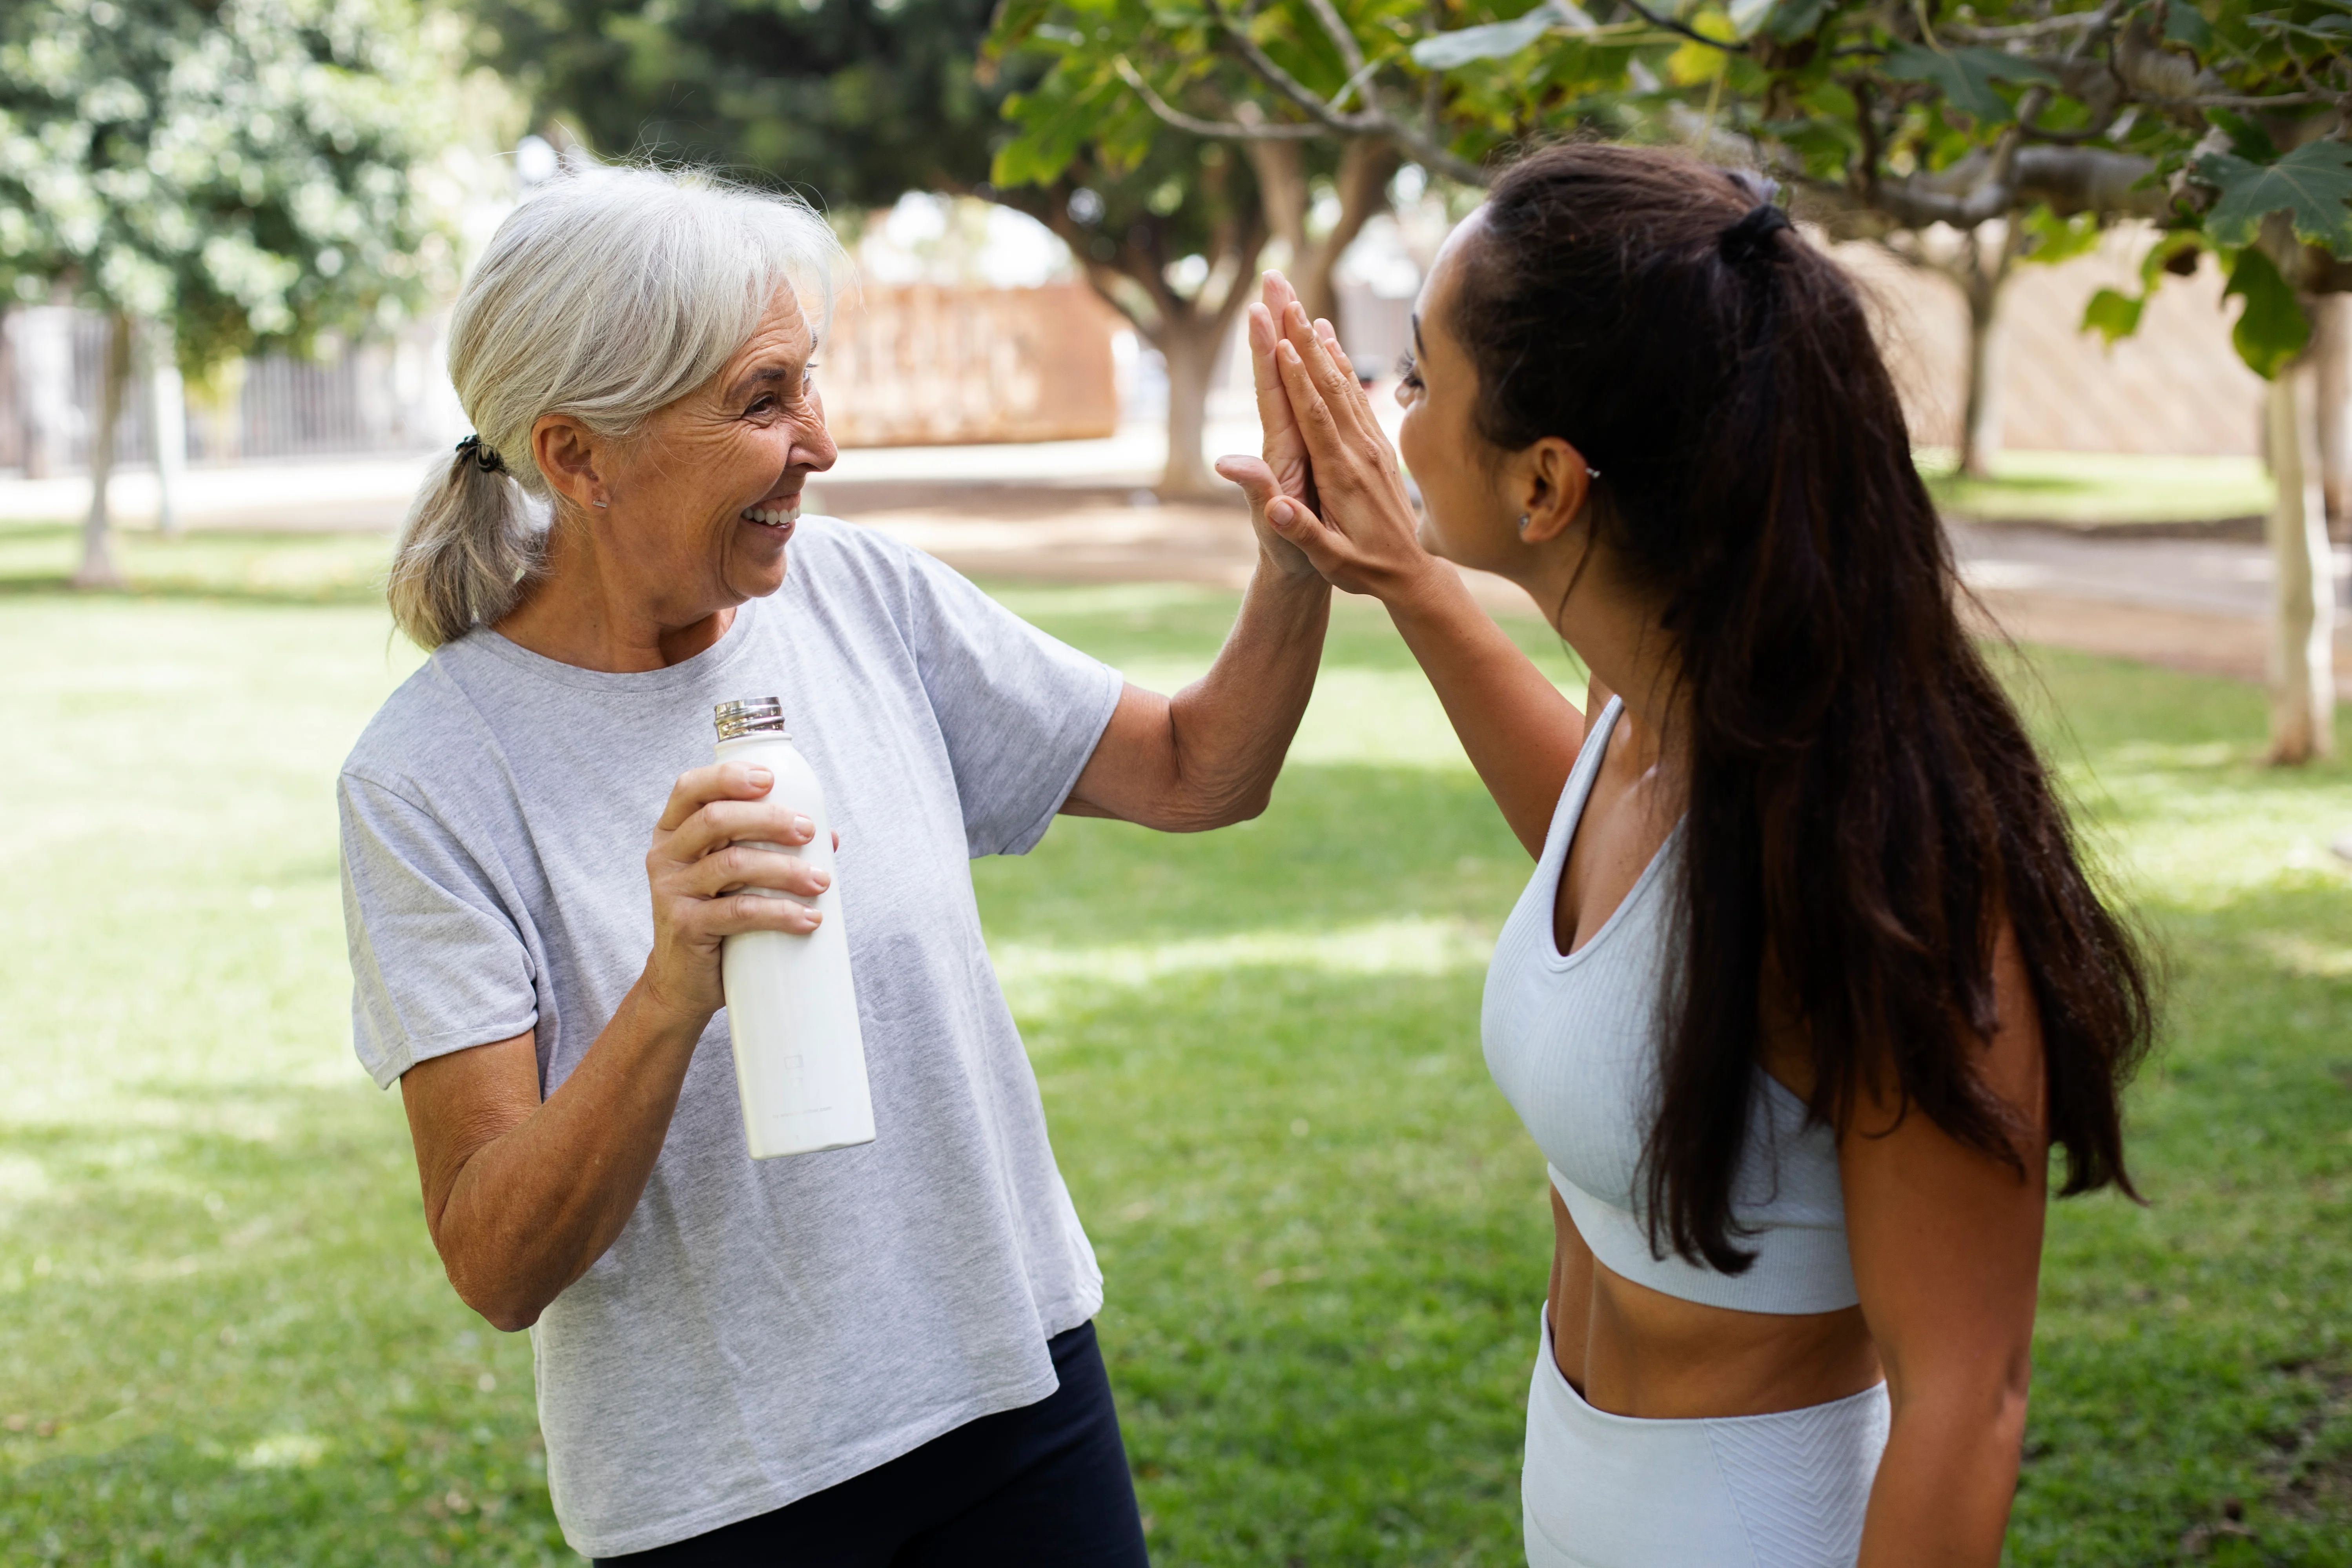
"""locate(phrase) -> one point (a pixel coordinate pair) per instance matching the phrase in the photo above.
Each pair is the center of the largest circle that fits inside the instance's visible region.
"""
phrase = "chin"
(758, 571)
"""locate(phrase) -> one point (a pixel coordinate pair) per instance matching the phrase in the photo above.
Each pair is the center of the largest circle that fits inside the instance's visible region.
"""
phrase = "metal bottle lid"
(751, 716)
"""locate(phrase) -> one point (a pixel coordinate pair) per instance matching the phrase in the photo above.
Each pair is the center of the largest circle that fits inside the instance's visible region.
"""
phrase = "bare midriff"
(1633, 1350)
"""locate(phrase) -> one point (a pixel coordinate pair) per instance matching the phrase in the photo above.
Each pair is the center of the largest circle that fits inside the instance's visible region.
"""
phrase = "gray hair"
(609, 293)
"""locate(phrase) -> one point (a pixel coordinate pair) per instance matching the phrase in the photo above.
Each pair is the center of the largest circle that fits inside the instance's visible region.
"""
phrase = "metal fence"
(370, 397)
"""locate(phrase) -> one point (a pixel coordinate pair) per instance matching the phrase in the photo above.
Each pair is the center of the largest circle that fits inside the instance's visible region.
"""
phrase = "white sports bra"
(1573, 1043)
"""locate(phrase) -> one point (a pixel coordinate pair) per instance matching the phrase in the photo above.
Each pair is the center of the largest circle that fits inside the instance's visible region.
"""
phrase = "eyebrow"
(1419, 350)
(767, 374)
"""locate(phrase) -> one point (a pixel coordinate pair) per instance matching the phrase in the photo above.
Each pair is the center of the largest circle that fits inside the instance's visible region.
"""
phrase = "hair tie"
(1751, 237)
(486, 459)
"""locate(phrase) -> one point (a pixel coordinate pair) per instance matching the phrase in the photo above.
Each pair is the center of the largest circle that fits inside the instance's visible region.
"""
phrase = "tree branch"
(1373, 120)
(1289, 86)
(1693, 34)
(2047, 27)
(1220, 130)
(1342, 39)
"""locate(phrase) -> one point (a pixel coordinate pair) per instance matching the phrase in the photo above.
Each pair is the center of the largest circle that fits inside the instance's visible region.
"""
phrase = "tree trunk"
(2303, 676)
(97, 569)
(1981, 414)
(1367, 165)
(1281, 171)
(1190, 347)
(2331, 354)
(167, 423)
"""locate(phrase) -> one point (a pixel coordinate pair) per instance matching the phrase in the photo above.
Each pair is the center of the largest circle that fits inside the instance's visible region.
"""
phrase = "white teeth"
(774, 516)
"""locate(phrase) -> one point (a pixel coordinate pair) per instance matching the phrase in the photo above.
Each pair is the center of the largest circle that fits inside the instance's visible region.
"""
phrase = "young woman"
(1809, 979)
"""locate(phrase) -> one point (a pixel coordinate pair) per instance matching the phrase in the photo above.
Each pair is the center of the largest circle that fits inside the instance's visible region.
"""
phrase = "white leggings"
(1784, 1490)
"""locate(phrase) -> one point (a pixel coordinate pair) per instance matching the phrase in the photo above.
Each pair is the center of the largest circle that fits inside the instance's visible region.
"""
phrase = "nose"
(813, 448)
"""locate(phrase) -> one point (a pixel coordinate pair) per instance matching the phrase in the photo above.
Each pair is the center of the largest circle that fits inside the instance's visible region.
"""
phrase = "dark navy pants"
(1045, 1486)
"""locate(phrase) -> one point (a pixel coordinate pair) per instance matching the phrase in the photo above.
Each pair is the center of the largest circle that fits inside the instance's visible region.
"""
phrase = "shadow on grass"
(231, 1337)
(305, 569)
(1340, 845)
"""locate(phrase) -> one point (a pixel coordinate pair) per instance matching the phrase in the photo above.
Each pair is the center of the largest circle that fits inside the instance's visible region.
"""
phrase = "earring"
(604, 503)
(1522, 523)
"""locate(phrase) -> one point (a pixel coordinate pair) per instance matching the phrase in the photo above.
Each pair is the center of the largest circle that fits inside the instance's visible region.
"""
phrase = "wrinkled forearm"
(1230, 731)
(534, 1208)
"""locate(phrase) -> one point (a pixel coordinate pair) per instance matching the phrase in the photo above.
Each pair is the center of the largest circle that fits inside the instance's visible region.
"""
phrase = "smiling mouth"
(773, 515)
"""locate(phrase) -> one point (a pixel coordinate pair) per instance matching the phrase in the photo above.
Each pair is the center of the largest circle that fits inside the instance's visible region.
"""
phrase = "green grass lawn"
(2090, 490)
(224, 1337)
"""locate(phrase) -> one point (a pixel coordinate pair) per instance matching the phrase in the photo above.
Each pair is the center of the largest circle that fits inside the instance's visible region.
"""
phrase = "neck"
(581, 611)
(1616, 632)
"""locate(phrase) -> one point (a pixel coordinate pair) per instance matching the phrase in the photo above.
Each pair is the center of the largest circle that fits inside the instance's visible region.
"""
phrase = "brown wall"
(2176, 387)
(922, 364)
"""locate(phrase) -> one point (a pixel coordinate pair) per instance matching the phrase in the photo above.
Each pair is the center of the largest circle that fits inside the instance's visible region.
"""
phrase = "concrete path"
(2190, 604)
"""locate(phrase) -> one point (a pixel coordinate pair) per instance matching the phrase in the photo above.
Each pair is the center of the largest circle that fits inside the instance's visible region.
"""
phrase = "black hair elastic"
(1751, 237)
(486, 459)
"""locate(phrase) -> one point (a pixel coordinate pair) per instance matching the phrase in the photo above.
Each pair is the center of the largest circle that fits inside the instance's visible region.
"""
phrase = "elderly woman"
(882, 1354)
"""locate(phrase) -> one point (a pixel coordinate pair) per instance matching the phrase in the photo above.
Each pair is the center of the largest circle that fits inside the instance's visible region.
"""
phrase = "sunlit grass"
(224, 1336)
(2087, 489)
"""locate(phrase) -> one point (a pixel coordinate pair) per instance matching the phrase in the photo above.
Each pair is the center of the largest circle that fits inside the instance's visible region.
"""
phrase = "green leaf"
(2273, 329)
(2312, 183)
(1965, 76)
(1497, 40)
(1749, 17)
(2052, 239)
(2161, 256)
(2183, 24)
(2112, 315)
(1794, 19)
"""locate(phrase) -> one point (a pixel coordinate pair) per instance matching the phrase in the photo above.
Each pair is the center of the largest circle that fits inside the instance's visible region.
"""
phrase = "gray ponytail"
(471, 541)
(608, 294)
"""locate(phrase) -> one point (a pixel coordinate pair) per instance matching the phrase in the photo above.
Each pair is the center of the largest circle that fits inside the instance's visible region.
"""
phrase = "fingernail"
(805, 825)
(824, 880)
(761, 778)
(1278, 515)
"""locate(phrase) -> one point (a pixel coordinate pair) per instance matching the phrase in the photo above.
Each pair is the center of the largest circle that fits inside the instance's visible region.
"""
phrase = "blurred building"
(2174, 388)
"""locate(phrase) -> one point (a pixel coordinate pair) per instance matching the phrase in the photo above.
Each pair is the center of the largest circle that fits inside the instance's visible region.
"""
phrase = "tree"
(859, 101)
(1169, 232)
(245, 173)
(2226, 122)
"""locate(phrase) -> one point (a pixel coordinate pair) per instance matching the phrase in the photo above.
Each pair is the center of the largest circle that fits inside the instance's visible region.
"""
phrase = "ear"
(1553, 483)
(567, 453)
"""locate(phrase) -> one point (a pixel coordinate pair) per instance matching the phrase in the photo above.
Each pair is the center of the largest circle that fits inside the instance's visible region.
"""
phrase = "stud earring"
(604, 503)
(1522, 523)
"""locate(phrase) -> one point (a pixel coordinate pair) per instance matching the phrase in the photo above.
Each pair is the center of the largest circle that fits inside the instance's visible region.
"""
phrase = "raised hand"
(1282, 471)
(1360, 531)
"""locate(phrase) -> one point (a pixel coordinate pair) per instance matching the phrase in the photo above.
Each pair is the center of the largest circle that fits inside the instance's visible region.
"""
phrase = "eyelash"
(1408, 369)
(766, 399)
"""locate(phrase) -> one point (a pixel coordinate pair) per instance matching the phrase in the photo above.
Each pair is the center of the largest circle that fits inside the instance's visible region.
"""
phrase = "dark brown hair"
(1864, 803)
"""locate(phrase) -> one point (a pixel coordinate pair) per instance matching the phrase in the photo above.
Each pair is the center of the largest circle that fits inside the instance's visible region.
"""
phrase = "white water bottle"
(800, 1061)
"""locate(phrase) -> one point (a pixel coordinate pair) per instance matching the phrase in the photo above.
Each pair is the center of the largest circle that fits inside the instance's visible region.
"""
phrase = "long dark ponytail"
(1864, 805)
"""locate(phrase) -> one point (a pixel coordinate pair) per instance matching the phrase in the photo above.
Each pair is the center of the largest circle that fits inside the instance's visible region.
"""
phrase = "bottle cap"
(751, 715)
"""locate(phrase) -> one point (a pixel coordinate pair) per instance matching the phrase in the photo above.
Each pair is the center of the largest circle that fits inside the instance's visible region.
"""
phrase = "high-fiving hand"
(1282, 473)
(1337, 498)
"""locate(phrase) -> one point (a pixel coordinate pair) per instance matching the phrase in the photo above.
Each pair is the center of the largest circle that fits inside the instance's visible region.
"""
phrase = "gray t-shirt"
(760, 1331)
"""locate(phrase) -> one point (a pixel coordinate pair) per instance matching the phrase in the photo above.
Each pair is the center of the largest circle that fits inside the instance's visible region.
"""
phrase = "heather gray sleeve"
(1022, 711)
(436, 963)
